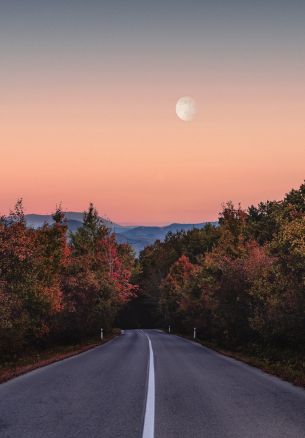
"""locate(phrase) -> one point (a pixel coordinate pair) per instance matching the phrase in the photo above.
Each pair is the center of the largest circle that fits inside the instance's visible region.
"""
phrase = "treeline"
(237, 283)
(58, 287)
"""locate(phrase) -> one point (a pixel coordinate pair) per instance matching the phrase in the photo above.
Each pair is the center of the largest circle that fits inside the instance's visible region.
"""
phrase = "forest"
(59, 288)
(240, 283)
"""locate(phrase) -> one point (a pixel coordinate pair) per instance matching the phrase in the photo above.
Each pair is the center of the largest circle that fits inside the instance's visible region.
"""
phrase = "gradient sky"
(87, 105)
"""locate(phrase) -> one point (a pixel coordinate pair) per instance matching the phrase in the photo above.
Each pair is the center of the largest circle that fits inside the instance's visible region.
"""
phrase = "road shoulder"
(292, 372)
(38, 360)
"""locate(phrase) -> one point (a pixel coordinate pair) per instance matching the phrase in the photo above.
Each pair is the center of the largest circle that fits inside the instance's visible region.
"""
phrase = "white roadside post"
(122, 332)
(169, 329)
(102, 334)
(194, 332)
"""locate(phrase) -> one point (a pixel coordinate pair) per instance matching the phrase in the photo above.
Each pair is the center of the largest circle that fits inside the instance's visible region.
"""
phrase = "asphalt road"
(172, 388)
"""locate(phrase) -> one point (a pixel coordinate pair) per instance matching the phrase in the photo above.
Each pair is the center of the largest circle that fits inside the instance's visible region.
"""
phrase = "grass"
(38, 359)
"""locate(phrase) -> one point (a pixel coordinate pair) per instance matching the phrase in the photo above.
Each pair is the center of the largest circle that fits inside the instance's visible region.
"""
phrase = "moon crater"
(186, 108)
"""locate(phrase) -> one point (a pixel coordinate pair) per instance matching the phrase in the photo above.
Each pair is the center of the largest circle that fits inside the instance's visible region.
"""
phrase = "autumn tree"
(97, 282)
(238, 283)
(56, 288)
(30, 266)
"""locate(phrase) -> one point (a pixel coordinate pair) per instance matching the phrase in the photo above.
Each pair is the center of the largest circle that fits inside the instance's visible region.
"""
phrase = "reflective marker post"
(102, 334)
(194, 332)
(169, 329)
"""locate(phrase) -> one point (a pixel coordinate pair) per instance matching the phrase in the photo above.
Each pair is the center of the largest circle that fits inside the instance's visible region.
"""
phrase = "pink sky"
(87, 114)
(138, 163)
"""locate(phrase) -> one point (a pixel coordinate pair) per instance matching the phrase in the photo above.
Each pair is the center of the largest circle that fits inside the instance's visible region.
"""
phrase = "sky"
(87, 105)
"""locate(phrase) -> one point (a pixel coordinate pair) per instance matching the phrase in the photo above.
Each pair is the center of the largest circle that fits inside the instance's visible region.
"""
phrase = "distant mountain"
(142, 236)
(37, 220)
(73, 218)
(138, 236)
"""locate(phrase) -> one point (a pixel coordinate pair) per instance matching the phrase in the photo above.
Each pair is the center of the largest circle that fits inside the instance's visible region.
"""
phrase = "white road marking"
(149, 420)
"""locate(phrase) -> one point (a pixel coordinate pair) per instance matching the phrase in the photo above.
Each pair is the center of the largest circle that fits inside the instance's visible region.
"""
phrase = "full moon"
(186, 108)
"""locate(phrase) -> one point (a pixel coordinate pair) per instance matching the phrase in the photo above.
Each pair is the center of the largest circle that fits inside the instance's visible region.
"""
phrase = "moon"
(186, 108)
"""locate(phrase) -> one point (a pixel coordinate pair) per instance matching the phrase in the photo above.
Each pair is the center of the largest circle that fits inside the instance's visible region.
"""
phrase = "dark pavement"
(99, 393)
(198, 393)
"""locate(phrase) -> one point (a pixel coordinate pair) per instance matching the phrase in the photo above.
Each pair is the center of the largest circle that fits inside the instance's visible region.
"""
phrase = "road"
(165, 388)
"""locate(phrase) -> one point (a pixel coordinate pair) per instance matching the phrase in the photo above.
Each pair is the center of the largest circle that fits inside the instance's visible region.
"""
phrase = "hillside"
(138, 236)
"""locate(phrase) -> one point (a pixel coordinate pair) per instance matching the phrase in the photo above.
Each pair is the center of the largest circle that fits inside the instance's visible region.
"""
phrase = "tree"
(175, 292)
(97, 280)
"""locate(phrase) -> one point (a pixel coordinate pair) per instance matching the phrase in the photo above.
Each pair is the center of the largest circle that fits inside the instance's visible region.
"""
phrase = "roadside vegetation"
(241, 284)
(57, 289)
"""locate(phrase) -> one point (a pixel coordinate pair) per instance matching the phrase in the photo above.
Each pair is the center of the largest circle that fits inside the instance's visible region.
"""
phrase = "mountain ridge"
(137, 236)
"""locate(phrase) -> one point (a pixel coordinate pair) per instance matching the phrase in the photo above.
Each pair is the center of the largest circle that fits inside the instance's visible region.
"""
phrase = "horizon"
(160, 224)
(126, 224)
(148, 223)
